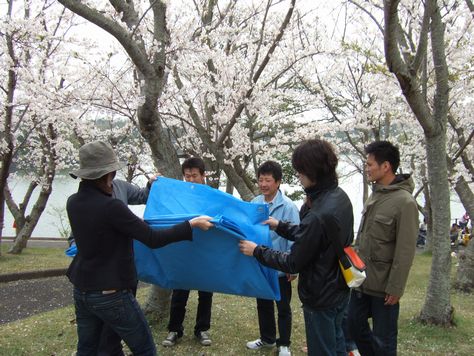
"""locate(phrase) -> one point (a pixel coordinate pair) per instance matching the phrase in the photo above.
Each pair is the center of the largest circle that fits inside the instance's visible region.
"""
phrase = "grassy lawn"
(32, 259)
(234, 321)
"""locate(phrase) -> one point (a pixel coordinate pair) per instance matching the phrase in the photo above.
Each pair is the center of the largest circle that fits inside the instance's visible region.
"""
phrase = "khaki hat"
(96, 159)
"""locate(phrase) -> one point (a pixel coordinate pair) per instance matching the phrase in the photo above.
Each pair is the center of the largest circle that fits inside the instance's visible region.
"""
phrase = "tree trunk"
(465, 273)
(429, 219)
(6, 135)
(433, 119)
(4, 173)
(437, 308)
(427, 210)
(157, 305)
(229, 188)
(466, 195)
(24, 232)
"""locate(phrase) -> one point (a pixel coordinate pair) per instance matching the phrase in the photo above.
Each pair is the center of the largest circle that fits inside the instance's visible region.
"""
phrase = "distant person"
(464, 221)
(269, 176)
(454, 234)
(321, 286)
(103, 270)
(386, 243)
(422, 231)
(193, 170)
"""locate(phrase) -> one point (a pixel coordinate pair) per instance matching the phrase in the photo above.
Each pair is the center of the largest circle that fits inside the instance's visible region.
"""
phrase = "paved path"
(23, 298)
(40, 242)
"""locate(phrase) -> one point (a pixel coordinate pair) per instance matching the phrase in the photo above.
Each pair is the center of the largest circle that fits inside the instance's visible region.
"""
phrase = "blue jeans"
(382, 338)
(324, 335)
(121, 312)
(110, 342)
(350, 343)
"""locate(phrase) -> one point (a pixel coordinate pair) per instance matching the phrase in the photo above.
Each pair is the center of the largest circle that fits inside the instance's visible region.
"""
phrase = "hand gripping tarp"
(212, 261)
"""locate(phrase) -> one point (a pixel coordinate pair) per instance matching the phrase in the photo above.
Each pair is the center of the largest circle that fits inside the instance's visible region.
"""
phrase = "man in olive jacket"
(386, 243)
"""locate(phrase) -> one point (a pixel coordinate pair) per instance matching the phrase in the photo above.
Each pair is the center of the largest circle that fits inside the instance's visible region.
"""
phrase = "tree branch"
(423, 42)
(408, 83)
(136, 50)
(225, 132)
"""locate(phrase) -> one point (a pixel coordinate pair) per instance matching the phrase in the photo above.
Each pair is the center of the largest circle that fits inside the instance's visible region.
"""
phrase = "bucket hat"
(96, 159)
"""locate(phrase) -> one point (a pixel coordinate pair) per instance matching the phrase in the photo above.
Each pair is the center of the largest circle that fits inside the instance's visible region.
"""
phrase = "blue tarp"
(212, 261)
(71, 251)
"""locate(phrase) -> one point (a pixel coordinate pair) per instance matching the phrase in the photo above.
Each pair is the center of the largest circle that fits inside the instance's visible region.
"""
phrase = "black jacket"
(103, 228)
(321, 284)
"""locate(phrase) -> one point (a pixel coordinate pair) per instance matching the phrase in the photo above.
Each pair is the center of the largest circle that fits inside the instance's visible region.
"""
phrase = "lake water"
(50, 221)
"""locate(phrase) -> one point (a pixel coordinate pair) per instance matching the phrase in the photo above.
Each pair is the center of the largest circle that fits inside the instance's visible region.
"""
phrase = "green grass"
(32, 259)
(418, 339)
(234, 321)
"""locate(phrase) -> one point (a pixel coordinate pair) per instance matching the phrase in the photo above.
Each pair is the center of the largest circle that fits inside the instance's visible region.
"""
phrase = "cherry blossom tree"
(33, 118)
(232, 73)
(417, 52)
(215, 79)
(361, 102)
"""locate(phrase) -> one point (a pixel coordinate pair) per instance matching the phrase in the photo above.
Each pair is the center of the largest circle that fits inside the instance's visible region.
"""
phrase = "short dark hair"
(270, 167)
(316, 159)
(384, 151)
(193, 162)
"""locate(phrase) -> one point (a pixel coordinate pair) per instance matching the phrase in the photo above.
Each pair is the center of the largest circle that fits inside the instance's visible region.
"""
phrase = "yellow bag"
(352, 267)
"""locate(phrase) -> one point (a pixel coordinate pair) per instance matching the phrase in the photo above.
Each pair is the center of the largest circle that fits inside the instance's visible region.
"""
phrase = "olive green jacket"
(386, 241)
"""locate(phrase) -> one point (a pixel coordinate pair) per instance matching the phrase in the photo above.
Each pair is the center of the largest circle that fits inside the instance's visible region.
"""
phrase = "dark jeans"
(382, 338)
(266, 316)
(324, 335)
(118, 310)
(110, 342)
(179, 300)
(349, 340)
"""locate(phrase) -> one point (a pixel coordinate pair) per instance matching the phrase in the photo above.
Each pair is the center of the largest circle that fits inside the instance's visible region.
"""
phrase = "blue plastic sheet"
(71, 251)
(212, 261)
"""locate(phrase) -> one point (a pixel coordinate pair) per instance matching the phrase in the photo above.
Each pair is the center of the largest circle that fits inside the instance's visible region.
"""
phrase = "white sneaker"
(204, 338)
(171, 339)
(284, 351)
(258, 344)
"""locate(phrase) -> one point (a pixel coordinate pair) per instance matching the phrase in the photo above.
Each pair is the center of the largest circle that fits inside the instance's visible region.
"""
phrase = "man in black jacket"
(103, 270)
(321, 287)
(129, 194)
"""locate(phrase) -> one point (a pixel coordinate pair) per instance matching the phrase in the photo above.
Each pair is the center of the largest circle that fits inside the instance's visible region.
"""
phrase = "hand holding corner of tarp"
(272, 223)
(247, 247)
(201, 222)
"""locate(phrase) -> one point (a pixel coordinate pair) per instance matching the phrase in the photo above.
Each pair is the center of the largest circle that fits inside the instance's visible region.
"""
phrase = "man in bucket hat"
(96, 159)
(103, 271)
(129, 194)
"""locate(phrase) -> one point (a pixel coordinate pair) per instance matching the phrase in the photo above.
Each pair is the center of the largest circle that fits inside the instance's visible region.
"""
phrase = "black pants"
(266, 316)
(179, 300)
(380, 338)
(110, 342)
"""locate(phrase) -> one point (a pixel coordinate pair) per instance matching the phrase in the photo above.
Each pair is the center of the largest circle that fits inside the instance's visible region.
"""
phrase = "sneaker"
(204, 338)
(171, 339)
(258, 344)
(284, 351)
(354, 352)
